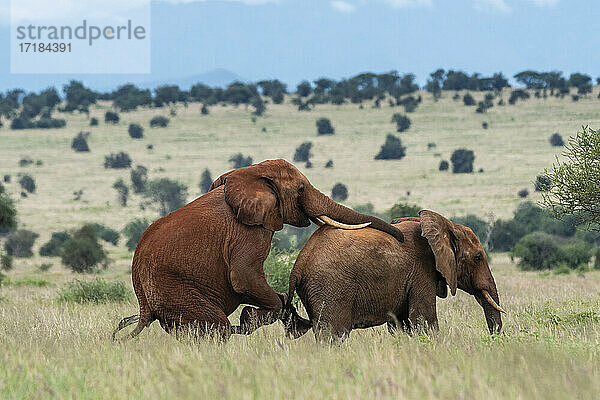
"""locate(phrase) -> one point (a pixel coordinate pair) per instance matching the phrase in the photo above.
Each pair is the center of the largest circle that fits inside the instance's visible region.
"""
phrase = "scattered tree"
(468, 100)
(444, 165)
(392, 149)
(402, 122)
(19, 243)
(122, 191)
(117, 160)
(324, 127)
(159, 122)
(111, 117)
(205, 181)
(303, 153)
(82, 252)
(339, 192)
(556, 140)
(135, 131)
(462, 161)
(133, 231)
(79, 143)
(169, 195)
(27, 183)
(139, 177)
(8, 214)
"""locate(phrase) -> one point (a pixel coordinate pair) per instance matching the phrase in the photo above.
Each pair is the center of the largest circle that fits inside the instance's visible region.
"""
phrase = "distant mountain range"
(107, 82)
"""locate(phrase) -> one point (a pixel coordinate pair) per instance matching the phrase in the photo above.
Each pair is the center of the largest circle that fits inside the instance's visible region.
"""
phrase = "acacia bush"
(79, 142)
(53, 247)
(105, 233)
(135, 131)
(523, 193)
(133, 231)
(324, 127)
(468, 100)
(27, 183)
(339, 192)
(556, 140)
(402, 122)
(239, 161)
(392, 149)
(462, 161)
(19, 243)
(122, 191)
(82, 252)
(111, 117)
(517, 94)
(93, 121)
(167, 194)
(302, 153)
(159, 122)
(8, 214)
(444, 165)
(539, 250)
(329, 164)
(117, 160)
(139, 178)
(205, 181)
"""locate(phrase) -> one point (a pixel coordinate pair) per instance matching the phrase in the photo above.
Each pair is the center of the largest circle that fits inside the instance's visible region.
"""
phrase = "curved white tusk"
(318, 221)
(491, 301)
(333, 222)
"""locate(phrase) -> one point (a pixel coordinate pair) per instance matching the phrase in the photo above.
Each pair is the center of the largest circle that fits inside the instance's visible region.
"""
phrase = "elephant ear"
(439, 233)
(220, 181)
(253, 197)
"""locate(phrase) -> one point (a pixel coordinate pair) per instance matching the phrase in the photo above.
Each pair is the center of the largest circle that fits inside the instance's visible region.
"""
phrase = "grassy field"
(550, 348)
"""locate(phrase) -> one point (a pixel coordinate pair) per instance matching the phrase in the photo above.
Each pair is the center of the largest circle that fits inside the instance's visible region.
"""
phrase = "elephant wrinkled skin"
(362, 278)
(195, 266)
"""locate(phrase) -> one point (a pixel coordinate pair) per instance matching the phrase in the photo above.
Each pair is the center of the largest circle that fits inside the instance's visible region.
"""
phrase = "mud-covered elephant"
(196, 265)
(363, 278)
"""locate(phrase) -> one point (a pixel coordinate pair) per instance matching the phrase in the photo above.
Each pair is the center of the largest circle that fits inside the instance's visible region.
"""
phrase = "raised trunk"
(316, 204)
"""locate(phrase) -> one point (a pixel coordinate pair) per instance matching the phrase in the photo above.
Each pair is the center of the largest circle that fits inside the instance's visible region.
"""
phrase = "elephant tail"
(125, 322)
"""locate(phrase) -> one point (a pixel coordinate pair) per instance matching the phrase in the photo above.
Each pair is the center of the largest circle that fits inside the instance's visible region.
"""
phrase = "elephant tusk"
(318, 221)
(491, 301)
(332, 222)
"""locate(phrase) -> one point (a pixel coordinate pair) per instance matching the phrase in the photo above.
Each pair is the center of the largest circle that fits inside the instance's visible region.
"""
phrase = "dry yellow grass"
(551, 344)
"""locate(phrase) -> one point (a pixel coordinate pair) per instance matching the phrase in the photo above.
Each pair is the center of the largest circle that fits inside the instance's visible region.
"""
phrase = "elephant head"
(462, 262)
(274, 192)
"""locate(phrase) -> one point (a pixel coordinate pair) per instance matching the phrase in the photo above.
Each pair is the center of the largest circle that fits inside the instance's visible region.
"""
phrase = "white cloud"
(248, 2)
(492, 5)
(545, 3)
(409, 3)
(343, 6)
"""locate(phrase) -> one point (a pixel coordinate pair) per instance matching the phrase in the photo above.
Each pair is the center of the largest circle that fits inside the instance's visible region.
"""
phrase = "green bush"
(111, 117)
(539, 250)
(392, 149)
(96, 291)
(444, 165)
(139, 178)
(6, 262)
(523, 193)
(402, 122)
(105, 233)
(462, 161)
(79, 142)
(8, 214)
(94, 121)
(324, 127)
(205, 181)
(159, 122)
(339, 192)
(302, 153)
(468, 100)
(556, 140)
(133, 231)
(401, 209)
(167, 194)
(477, 225)
(239, 161)
(117, 160)
(505, 234)
(135, 131)
(20, 242)
(82, 252)
(122, 191)
(27, 183)
(53, 247)
(277, 269)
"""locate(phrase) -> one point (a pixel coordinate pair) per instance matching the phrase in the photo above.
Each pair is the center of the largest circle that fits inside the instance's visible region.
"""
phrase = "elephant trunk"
(491, 311)
(316, 204)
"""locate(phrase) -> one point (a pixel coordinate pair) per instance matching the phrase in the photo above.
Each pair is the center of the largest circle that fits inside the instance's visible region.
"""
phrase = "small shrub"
(105, 233)
(168, 195)
(79, 142)
(329, 164)
(25, 161)
(133, 231)
(159, 122)
(97, 291)
(431, 145)
(484, 125)
(8, 214)
(139, 178)
(401, 209)
(539, 250)
(205, 181)
(49, 123)
(392, 149)
(468, 100)
(135, 131)
(94, 121)
(542, 183)
(6, 178)
(44, 267)
(444, 165)
(556, 140)
(517, 94)
(27, 183)
(53, 247)
(339, 192)
(39, 163)
(462, 161)
(277, 267)
(239, 161)
(302, 153)
(82, 253)
(204, 110)
(523, 193)
(122, 191)
(324, 127)
(308, 164)
(20, 242)
(410, 104)
(402, 122)
(111, 117)
(6, 262)
(117, 160)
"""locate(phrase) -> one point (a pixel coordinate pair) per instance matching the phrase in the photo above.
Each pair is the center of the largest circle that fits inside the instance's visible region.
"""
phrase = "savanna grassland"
(550, 346)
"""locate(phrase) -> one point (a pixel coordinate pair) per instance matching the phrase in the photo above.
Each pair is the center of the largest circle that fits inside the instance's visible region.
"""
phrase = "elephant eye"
(301, 189)
(477, 257)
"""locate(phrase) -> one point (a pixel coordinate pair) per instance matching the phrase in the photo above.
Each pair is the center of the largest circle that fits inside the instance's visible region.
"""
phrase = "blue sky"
(296, 39)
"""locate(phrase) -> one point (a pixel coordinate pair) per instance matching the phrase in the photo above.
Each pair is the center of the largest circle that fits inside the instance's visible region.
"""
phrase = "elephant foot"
(295, 325)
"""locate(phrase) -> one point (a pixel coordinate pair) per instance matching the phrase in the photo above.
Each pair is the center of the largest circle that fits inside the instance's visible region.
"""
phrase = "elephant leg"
(201, 324)
(422, 313)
